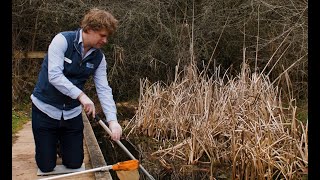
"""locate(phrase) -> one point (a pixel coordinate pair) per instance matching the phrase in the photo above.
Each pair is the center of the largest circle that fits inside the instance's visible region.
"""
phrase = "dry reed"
(208, 122)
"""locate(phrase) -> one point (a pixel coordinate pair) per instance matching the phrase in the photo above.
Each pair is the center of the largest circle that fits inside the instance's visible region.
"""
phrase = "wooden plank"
(28, 55)
(96, 156)
(61, 169)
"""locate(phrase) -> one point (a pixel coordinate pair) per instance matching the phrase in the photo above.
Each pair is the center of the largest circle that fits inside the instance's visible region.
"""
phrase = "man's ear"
(89, 30)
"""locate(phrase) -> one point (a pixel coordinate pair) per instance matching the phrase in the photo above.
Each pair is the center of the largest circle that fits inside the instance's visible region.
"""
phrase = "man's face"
(97, 39)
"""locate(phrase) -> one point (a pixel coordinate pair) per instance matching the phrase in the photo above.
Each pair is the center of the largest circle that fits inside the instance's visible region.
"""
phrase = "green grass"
(19, 118)
(21, 114)
(302, 111)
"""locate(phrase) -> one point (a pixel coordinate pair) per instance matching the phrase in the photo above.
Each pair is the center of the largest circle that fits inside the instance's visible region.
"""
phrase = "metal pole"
(104, 168)
(124, 148)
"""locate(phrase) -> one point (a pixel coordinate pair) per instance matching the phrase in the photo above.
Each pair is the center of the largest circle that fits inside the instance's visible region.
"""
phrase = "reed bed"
(202, 124)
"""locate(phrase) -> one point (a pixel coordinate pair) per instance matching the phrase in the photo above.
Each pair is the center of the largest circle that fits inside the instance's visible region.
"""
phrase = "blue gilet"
(78, 72)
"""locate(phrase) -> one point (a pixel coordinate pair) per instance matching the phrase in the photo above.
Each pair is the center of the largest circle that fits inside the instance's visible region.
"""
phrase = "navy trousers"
(47, 132)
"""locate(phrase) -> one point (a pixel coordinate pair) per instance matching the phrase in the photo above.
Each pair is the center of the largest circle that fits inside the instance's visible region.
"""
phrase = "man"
(58, 97)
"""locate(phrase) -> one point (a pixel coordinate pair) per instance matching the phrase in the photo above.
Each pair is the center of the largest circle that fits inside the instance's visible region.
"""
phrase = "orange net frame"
(126, 165)
(127, 170)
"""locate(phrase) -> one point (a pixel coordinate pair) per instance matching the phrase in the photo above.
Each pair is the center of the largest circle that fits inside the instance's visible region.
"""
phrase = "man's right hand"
(87, 104)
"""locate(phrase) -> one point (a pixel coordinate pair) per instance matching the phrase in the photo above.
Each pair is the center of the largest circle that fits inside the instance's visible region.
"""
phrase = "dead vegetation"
(223, 125)
(211, 122)
(153, 35)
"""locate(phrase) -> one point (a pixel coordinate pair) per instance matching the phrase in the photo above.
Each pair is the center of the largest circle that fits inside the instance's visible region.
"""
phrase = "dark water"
(113, 154)
(111, 151)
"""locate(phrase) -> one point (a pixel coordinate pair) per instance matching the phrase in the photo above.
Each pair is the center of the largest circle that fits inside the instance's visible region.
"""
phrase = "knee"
(45, 165)
(46, 168)
(73, 165)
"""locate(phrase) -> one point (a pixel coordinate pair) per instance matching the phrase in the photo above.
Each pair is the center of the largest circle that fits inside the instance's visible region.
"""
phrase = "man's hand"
(115, 129)
(87, 104)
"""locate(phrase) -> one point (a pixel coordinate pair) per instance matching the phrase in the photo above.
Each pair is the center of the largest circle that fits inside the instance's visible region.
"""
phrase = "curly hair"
(97, 19)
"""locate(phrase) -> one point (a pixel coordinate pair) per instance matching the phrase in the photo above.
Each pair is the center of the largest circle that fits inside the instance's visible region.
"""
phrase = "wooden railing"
(28, 55)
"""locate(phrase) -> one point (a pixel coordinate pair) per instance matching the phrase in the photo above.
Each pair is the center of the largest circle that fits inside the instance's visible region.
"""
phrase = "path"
(23, 152)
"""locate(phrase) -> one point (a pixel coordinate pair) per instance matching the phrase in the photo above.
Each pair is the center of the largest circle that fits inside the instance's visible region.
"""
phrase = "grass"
(302, 111)
(21, 114)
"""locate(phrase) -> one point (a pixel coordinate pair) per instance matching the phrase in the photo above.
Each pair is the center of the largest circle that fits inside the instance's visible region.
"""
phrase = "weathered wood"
(28, 55)
(96, 156)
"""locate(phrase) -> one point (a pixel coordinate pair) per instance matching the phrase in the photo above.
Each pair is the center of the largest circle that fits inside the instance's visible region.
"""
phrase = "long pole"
(104, 168)
(124, 148)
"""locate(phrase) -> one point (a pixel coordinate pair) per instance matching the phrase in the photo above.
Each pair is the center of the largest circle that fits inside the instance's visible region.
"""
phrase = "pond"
(142, 148)
(113, 154)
